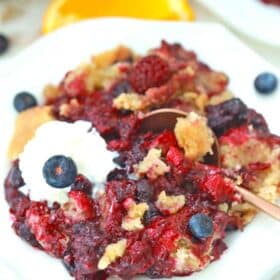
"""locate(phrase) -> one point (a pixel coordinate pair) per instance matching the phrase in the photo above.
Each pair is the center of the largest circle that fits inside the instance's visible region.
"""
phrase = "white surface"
(77, 140)
(253, 254)
(251, 17)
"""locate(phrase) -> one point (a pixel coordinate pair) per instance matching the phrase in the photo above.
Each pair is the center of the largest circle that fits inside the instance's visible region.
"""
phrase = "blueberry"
(14, 177)
(4, 43)
(201, 225)
(226, 115)
(145, 191)
(117, 175)
(266, 82)
(151, 214)
(23, 101)
(60, 171)
(120, 87)
(120, 160)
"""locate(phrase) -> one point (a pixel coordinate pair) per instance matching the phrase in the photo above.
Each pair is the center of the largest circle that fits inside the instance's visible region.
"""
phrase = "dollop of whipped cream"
(78, 140)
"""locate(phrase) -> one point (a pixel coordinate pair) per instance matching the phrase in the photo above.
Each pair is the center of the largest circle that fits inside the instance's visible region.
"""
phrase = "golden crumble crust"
(194, 136)
(170, 203)
(130, 101)
(152, 165)
(132, 221)
(107, 58)
(112, 253)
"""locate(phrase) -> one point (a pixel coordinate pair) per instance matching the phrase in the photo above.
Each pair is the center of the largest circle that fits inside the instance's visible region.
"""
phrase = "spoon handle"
(269, 208)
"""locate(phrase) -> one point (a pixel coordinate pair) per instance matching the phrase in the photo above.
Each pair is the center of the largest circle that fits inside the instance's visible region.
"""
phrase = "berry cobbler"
(88, 187)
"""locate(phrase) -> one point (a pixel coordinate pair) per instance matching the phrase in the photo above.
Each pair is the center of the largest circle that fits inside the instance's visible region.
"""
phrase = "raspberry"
(150, 71)
(175, 156)
(79, 207)
(218, 187)
(47, 229)
(164, 141)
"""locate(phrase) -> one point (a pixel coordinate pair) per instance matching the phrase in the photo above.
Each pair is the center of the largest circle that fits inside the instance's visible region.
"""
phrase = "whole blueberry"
(4, 43)
(201, 225)
(24, 100)
(60, 171)
(266, 82)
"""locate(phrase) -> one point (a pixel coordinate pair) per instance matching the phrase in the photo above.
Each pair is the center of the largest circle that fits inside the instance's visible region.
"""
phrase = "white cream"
(77, 140)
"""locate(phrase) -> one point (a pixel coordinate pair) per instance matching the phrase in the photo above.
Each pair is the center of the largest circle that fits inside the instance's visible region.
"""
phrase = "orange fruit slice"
(63, 12)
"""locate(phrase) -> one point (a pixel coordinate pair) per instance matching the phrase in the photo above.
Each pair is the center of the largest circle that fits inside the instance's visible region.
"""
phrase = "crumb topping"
(245, 153)
(132, 221)
(170, 204)
(186, 260)
(107, 58)
(194, 136)
(112, 253)
(129, 101)
(152, 165)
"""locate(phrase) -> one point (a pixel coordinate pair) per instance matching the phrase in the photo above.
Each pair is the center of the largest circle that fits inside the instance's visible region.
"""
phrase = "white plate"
(250, 17)
(253, 254)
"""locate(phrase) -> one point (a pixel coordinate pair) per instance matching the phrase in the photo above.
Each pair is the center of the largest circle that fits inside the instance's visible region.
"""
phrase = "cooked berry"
(145, 191)
(190, 187)
(4, 43)
(23, 101)
(151, 213)
(150, 71)
(266, 83)
(120, 87)
(60, 171)
(201, 225)
(120, 160)
(68, 262)
(226, 115)
(82, 184)
(231, 227)
(24, 232)
(14, 177)
(117, 174)
(257, 121)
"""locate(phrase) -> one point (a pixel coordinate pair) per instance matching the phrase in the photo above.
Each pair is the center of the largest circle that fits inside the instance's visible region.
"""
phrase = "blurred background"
(22, 21)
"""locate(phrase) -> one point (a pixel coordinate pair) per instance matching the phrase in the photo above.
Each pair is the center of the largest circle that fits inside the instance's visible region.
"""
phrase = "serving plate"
(252, 254)
(253, 18)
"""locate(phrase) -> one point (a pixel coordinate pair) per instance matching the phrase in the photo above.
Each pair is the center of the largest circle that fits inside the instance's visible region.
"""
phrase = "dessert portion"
(88, 187)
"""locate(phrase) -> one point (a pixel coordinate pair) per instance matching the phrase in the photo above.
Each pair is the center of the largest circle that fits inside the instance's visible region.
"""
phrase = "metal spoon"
(161, 119)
